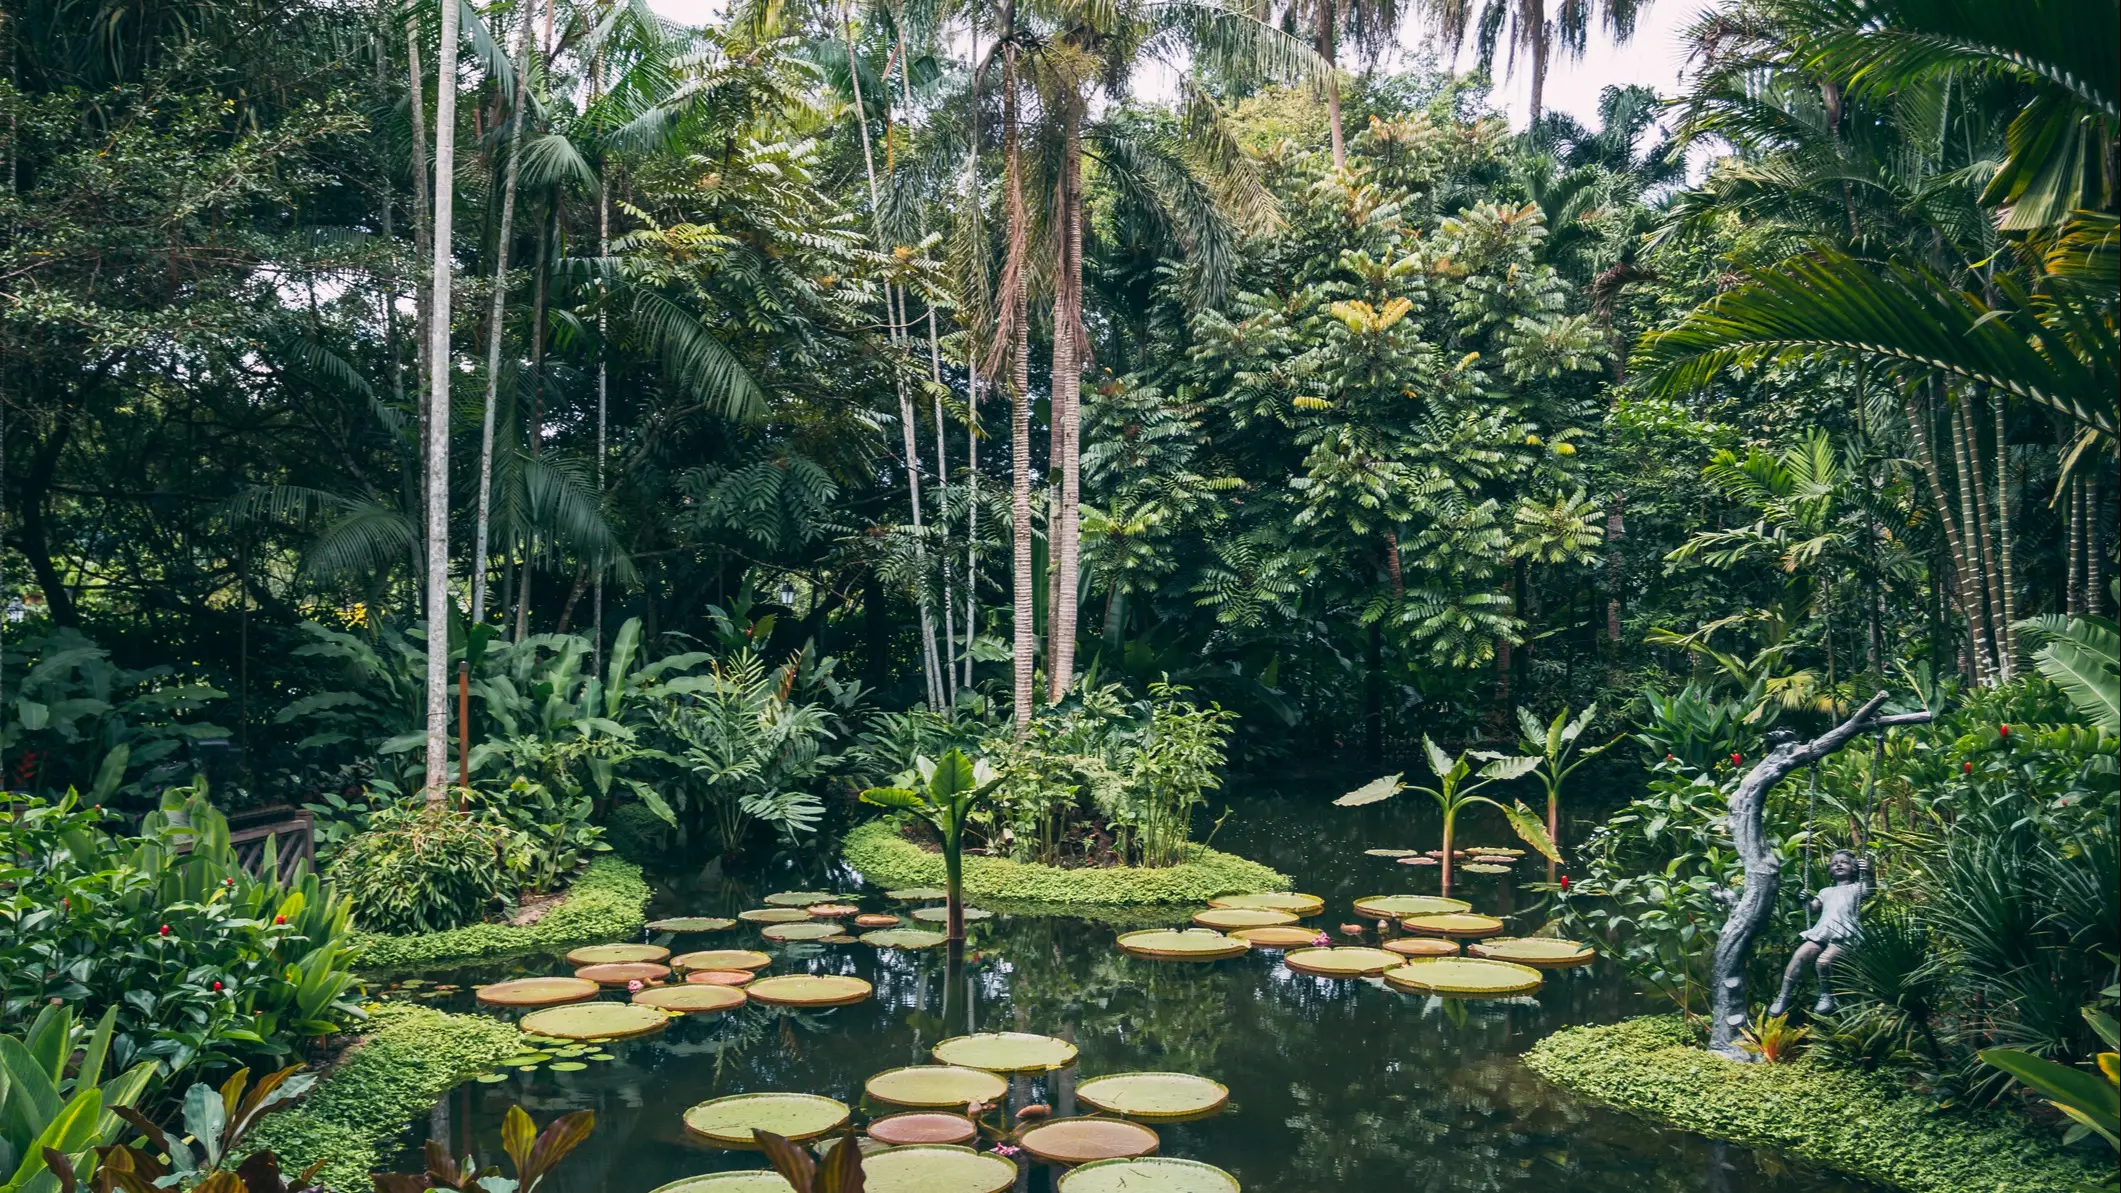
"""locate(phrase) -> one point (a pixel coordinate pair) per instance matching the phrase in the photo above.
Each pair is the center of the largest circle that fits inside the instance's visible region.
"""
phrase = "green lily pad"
(1464, 977)
(916, 894)
(927, 1086)
(600, 1056)
(1484, 868)
(773, 915)
(904, 938)
(1392, 907)
(749, 1181)
(1148, 1174)
(537, 992)
(940, 915)
(1087, 1140)
(1295, 903)
(722, 959)
(1005, 1052)
(810, 930)
(567, 1066)
(1342, 962)
(809, 990)
(1492, 850)
(922, 1126)
(1391, 852)
(596, 1021)
(1153, 1096)
(617, 954)
(1278, 938)
(620, 973)
(730, 1121)
(1459, 925)
(1222, 919)
(936, 1168)
(692, 923)
(1422, 946)
(1190, 944)
(491, 1078)
(692, 998)
(798, 898)
(1539, 952)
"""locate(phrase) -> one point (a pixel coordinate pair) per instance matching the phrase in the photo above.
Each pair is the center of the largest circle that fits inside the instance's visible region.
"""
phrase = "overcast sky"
(1652, 59)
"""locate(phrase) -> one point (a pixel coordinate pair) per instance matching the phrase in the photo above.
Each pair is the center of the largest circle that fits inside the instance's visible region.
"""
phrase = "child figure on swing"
(1839, 928)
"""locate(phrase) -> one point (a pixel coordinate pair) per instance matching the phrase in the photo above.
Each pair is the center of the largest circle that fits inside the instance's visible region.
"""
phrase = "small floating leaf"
(1005, 1052)
(1393, 852)
(567, 1066)
(596, 1021)
(1222, 918)
(1391, 907)
(537, 992)
(773, 915)
(940, 915)
(934, 1168)
(1539, 952)
(808, 930)
(730, 1121)
(491, 1078)
(692, 923)
(830, 911)
(904, 938)
(1462, 925)
(1190, 944)
(1148, 1174)
(809, 990)
(1464, 977)
(1419, 861)
(935, 1085)
(1342, 962)
(1289, 901)
(617, 954)
(723, 959)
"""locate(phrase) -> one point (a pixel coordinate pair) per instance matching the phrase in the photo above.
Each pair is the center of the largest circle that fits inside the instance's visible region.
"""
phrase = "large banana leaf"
(2083, 658)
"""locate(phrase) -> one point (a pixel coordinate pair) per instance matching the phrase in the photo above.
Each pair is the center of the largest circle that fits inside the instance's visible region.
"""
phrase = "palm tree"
(1370, 25)
(439, 365)
(1527, 26)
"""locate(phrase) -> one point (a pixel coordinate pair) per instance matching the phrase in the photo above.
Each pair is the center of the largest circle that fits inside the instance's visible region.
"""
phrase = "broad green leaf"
(1439, 761)
(1374, 791)
(1529, 826)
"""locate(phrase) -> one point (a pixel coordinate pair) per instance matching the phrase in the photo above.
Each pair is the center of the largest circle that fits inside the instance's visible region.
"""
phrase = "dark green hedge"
(884, 856)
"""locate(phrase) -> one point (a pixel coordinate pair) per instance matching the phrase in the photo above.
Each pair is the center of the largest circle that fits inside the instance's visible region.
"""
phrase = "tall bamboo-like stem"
(972, 387)
(1975, 496)
(2007, 579)
(2073, 585)
(603, 360)
(1068, 351)
(1016, 336)
(1974, 591)
(438, 366)
(535, 430)
(422, 250)
(1921, 422)
(500, 311)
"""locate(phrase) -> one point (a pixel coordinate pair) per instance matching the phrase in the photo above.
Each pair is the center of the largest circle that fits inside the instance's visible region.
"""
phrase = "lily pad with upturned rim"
(922, 1127)
(692, 998)
(809, 990)
(1293, 902)
(809, 930)
(830, 911)
(1225, 918)
(1490, 850)
(1005, 1052)
(692, 923)
(1346, 962)
(1188, 944)
(722, 959)
(1464, 977)
(797, 898)
(622, 972)
(936, 1168)
(1422, 946)
(773, 915)
(1419, 861)
(1484, 868)
(721, 977)
(537, 992)
(595, 1021)
(926, 1086)
(1147, 1174)
(1459, 925)
(1088, 1140)
(750, 1181)
(731, 1121)
(1156, 1097)
(839, 938)
(617, 954)
(1277, 938)
(1393, 853)
(1539, 952)
(904, 938)
(916, 894)
(876, 919)
(1392, 907)
(941, 915)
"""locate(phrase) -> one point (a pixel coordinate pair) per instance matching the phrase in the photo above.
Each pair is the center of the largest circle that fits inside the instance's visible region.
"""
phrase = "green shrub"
(430, 869)
(884, 856)
(206, 966)
(1863, 1124)
(607, 902)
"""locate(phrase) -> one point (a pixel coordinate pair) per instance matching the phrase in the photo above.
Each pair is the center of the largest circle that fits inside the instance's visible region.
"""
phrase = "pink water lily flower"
(633, 985)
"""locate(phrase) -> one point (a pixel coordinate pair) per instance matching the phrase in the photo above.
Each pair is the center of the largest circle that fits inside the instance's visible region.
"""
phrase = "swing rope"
(1811, 830)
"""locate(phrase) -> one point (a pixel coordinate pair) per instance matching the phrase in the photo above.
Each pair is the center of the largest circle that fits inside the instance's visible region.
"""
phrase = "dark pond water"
(1334, 1085)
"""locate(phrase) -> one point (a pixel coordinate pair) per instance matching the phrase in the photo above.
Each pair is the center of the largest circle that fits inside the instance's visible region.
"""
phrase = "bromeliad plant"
(944, 792)
(1454, 794)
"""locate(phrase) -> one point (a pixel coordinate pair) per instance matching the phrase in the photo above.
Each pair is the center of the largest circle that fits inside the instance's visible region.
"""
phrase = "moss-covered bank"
(884, 856)
(1856, 1123)
(409, 1058)
(608, 901)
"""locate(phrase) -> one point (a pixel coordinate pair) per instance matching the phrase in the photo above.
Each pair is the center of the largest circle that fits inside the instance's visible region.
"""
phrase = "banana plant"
(52, 1123)
(2092, 1101)
(1554, 745)
(944, 792)
(1454, 794)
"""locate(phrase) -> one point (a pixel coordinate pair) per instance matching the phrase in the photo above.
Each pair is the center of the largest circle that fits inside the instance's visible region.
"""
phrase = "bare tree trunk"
(1763, 867)
(438, 413)
(1533, 26)
(2008, 577)
(535, 429)
(1067, 401)
(423, 250)
(1328, 49)
(500, 311)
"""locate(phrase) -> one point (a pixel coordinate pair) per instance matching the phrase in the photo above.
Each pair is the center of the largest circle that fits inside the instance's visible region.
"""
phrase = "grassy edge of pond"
(883, 856)
(408, 1059)
(1860, 1124)
(608, 901)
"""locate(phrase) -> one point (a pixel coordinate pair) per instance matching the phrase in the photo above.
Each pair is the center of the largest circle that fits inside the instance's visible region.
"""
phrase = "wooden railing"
(292, 831)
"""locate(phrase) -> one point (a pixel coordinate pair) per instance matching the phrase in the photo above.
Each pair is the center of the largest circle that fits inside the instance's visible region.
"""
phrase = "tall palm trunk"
(1974, 591)
(1921, 423)
(422, 250)
(1069, 344)
(1532, 21)
(972, 425)
(1975, 497)
(2008, 577)
(438, 366)
(1328, 48)
(500, 311)
(1014, 337)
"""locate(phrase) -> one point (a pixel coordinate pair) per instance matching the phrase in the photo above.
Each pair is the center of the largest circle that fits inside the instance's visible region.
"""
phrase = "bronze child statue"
(1840, 928)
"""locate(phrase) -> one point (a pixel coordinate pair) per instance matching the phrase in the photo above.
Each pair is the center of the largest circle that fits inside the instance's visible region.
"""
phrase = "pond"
(1334, 1084)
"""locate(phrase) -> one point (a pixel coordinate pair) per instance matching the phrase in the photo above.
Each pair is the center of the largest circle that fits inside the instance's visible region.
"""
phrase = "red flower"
(1667, 757)
(1736, 759)
(1564, 882)
(279, 919)
(165, 930)
(2004, 730)
(1966, 768)
(217, 987)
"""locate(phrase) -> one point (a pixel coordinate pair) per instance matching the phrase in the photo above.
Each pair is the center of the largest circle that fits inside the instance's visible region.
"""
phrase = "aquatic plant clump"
(1005, 1052)
(730, 1122)
(1392, 907)
(809, 990)
(1189, 944)
(1226, 918)
(1153, 1096)
(936, 1168)
(537, 992)
(692, 998)
(595, 1021)
(722, 959)
(877, 849)
(1539, 952)
(1355, 962)
(1148, 1174)
(616, 954)
(1086, 1140)
(1459, 925)
(1292, 902)
(935, 1085)
(1464, 977)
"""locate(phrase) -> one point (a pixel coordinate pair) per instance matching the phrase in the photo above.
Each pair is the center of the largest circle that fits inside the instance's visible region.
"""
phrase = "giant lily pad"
(537, 992)
(1190, 944)
(1423, 946)
(721, 977)
(1354, 962)
(809, 990)
(773, 915)
(692, 998)
(1147, 1174)
(1460, 925)
(623, 972)
(936, 1168)
(730, 1121)
(1153, 1096)
(1392, 907)
(1539, 952)
(1292, 902)
(1393, 853)
(810, 930)
(1005, 1052)
(692, 923)
(1464, 977)
(595, 1021)
(798, 898)
(617, 954)
(830, 911)
(723, 959)
(1484, 868)
(1086, 1140)
(876, 919)
(935, 1085)
(904, 938)
(917, 894)
(1225, 918)
(1277, 938)
(922, 1126)
(1491, 850)
(750, 1181)
(940, 915)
